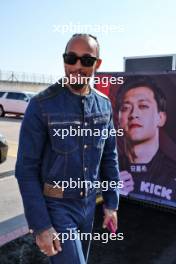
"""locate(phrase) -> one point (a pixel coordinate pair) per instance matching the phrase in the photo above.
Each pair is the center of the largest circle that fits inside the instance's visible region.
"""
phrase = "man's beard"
(80, 83)
(77, 86)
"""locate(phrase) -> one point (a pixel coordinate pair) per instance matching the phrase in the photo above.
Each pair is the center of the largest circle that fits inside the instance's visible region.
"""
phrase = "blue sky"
(31, 40)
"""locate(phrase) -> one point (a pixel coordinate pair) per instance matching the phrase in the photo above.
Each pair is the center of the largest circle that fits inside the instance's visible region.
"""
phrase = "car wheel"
(1, 111)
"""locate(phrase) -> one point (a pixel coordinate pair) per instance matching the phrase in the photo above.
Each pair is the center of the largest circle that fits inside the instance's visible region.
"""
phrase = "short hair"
(136, 81)
(83, 35)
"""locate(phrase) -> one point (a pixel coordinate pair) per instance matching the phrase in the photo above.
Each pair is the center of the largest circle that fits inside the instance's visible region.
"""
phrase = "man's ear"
(162, 119)
(98, 63)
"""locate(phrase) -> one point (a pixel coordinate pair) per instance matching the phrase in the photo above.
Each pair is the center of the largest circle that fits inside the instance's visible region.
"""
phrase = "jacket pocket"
(63, 133)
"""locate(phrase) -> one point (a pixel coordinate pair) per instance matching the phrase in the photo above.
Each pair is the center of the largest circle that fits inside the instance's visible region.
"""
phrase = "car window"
(1, 94)
(13, 95)
(22, 96)
(19, 96)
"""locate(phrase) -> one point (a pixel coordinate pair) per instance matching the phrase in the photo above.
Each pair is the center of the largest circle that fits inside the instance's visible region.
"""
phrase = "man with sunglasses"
(46, 160)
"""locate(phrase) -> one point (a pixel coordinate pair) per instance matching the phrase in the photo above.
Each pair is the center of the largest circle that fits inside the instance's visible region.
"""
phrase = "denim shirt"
(44, 157)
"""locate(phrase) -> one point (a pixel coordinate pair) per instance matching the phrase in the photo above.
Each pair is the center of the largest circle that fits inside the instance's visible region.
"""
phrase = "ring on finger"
(43, 251)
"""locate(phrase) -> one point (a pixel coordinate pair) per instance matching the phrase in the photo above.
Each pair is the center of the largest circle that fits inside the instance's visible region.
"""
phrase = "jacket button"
(81, 193)
(85, 123)
(85, 146)
(85, 169)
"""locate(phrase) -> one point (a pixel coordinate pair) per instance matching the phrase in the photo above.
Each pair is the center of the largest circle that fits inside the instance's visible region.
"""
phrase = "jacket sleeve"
(32, 140)
(109, 169)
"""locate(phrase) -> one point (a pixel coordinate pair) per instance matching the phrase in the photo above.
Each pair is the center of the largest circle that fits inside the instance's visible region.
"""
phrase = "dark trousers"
(72, 218)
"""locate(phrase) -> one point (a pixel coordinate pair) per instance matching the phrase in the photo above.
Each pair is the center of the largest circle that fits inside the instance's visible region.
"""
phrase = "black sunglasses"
(86, 61)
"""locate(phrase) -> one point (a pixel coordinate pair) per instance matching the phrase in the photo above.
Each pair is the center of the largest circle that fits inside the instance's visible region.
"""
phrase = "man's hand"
(128, 183)
(46, 243)
(110, 215)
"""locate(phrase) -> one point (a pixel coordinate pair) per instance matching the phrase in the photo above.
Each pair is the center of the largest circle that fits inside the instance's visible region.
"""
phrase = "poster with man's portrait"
(144, 106)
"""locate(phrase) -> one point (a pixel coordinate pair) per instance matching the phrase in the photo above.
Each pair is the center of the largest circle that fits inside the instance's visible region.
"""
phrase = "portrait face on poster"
(144, 107)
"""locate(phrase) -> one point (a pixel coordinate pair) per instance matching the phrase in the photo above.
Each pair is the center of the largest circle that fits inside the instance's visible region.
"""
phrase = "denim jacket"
(44, 157)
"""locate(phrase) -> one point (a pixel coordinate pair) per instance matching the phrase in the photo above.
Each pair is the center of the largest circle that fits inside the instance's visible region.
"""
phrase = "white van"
(14, 102)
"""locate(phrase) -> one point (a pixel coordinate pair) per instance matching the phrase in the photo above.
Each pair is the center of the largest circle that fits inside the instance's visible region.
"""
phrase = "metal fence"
(12, 76)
